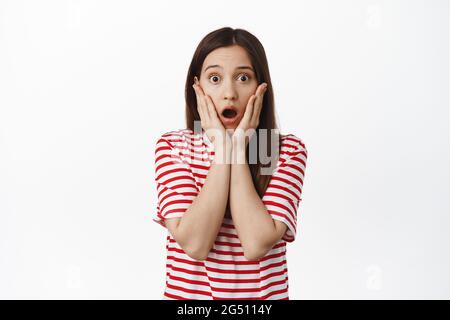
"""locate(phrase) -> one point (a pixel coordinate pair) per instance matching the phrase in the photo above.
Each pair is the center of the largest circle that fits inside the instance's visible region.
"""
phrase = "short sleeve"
(175, 183)
(284, 192)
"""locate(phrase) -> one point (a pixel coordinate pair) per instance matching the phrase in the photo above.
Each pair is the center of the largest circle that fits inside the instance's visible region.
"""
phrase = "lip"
(229, 107)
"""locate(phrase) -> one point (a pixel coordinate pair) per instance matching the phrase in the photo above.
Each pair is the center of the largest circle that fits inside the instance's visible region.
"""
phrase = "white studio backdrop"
(86, 87)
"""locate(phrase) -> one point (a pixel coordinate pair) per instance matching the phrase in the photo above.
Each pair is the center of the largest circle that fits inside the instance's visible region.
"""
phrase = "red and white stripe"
(182, 161)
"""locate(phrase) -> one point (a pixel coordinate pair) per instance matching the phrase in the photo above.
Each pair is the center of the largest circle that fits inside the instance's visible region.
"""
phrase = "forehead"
(227, 57)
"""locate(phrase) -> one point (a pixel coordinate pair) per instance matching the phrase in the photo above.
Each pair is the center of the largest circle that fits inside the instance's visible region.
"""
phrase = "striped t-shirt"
(182, 160)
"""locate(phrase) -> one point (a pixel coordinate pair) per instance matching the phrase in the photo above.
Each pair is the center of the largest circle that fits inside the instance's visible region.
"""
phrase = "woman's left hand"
(250, 120)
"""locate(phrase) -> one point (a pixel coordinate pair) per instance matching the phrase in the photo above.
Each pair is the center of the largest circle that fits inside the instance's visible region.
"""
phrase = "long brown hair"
(225, 37)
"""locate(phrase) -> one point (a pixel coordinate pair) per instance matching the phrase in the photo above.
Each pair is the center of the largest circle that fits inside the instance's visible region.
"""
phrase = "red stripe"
(273, 265)
(173, 194)
(225, 298)
(177, 177)
(197, 166)
(274, 293)
(198, 175)
(191, 272)
(294, 176)
(279, 205)
(300, 159)
(179, 210)
(229, 226)
(291, 138)
(186, 261)
(194, 282)
(290, 153)
(286, 181)
(279, 195)
(275, 186)
(293, 166)
(165, 211)
(238, 263)
(210, 269)
(158, 157)
(229, 253)
(171, 286)
(229, 235)
(288, 145)
(172, 296)
(229, 244)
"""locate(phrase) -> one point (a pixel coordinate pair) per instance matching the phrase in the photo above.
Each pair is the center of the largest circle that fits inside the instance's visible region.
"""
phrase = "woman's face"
(227, 76)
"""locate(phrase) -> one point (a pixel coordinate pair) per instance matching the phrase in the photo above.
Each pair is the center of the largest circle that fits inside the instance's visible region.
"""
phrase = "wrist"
(239, 144)
(239, 153)
(222, 152)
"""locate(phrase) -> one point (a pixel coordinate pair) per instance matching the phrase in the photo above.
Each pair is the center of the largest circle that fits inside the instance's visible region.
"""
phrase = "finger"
(259, 91)
(258, 106)
(211, 108)
(249, 109)
(262, 88)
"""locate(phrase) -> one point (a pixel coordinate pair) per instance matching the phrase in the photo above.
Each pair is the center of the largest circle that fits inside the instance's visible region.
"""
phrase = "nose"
(229, 91)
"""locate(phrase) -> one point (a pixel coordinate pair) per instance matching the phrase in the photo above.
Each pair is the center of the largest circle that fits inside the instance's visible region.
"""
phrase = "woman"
(228, 218)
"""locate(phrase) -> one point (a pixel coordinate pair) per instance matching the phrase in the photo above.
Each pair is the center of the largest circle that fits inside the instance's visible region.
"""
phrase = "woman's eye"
(243, 75)
(214, 77)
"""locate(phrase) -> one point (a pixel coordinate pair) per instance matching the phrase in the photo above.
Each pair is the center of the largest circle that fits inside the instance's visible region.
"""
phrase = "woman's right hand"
(208, 115)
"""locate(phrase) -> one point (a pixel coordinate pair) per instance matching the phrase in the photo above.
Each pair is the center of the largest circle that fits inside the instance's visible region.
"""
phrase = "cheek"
(247, 97)
(250, 91)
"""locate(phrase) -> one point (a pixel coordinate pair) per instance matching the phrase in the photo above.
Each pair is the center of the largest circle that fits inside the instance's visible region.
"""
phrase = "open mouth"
(229, 113)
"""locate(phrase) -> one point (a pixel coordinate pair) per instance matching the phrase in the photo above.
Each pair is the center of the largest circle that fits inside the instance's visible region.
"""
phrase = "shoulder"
(292, 144)
(293, 152)
(178, 138)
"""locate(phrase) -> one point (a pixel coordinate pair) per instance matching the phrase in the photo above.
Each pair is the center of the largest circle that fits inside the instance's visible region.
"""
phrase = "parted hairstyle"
(225, 37)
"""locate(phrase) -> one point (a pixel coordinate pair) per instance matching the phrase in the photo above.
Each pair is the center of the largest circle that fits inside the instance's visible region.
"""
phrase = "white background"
(86, 87)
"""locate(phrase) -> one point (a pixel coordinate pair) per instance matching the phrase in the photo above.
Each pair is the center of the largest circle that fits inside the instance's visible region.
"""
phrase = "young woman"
(228, 220)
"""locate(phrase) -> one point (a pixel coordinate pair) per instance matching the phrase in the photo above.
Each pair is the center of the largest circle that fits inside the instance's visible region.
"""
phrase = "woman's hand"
(250, 120)
(208, 115)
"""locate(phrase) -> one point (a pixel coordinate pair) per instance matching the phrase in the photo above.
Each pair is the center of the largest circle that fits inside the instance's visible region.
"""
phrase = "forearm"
(201, 222)
(250, 217)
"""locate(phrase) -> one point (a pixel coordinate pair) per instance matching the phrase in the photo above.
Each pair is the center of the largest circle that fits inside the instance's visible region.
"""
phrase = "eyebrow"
(237, 68)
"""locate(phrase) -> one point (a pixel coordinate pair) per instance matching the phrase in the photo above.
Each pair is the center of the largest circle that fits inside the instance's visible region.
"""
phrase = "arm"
(256, 229)
(197, 229)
